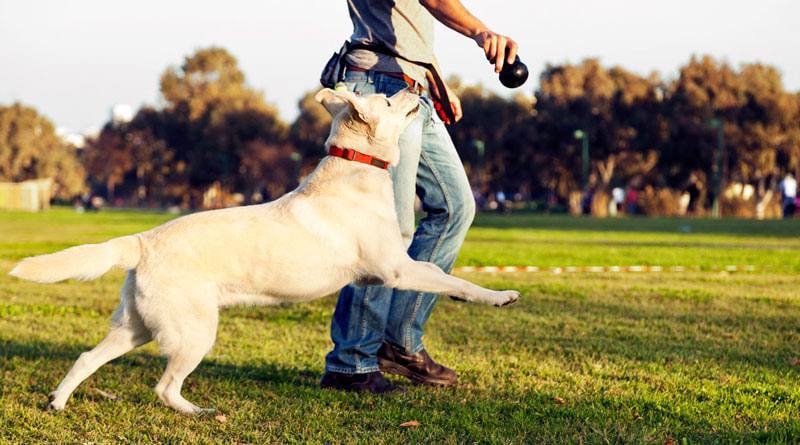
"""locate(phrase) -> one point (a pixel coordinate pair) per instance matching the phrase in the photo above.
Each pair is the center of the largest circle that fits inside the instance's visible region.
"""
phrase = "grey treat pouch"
(334, 69)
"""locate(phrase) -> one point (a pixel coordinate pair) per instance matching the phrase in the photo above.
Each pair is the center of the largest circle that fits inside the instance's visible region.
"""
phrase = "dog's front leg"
(428, 277)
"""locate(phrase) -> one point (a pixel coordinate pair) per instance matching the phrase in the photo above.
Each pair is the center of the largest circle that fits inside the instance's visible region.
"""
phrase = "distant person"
(586, 202)
(693, 189)
(96, 203)
(77, 204)
(789, 193)
(618, 198)
(480, 200)
(391, 49)
(632, 201)
(502, 205)
(683, 203)
(551, 198)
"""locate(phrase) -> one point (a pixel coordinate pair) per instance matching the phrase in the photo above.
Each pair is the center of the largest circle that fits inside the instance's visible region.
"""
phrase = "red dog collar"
(353, 155)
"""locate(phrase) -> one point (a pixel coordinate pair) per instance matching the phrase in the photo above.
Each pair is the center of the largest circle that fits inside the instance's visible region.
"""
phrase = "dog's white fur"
(339, 226)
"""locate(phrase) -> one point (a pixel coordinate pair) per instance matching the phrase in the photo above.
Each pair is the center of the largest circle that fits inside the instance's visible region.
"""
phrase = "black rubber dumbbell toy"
(513, 75)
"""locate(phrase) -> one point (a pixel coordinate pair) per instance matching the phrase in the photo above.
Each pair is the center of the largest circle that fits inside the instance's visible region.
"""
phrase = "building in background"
(77, 140)
(121, 114)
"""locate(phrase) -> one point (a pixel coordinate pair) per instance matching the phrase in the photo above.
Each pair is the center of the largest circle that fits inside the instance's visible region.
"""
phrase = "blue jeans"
(429, 167)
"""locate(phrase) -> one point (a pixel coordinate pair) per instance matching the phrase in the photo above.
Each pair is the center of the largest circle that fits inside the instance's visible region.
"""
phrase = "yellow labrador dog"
(339, 226)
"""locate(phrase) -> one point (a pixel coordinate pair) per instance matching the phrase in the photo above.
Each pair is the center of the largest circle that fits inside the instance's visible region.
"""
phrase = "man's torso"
(402, 27)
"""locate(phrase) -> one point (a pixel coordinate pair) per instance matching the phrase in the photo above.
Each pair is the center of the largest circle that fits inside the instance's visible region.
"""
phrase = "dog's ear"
(328, 98)
(335, 101)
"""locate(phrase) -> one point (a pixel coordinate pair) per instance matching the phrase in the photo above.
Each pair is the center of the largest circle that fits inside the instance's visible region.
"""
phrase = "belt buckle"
(349, 154)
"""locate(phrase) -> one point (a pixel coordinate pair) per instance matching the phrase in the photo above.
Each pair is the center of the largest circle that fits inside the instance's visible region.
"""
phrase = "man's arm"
(498, 48)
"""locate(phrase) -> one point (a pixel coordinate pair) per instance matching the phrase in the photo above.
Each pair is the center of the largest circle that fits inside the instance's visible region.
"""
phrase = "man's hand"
(455, 103)
(499, 49)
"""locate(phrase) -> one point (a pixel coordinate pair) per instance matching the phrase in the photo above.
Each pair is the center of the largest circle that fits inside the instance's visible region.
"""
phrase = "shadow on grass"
(460, 415)
(62, 352)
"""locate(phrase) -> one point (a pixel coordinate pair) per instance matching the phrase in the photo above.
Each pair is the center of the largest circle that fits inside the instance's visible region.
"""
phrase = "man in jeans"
(376, 328)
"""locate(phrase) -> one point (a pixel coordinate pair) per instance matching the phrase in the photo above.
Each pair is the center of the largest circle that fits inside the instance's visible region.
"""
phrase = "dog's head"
(370, 124)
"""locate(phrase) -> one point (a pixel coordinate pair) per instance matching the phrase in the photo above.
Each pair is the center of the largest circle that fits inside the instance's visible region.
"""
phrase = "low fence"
(32, 196)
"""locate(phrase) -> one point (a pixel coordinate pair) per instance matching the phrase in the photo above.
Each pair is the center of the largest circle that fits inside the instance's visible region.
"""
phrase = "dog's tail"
(85, 262)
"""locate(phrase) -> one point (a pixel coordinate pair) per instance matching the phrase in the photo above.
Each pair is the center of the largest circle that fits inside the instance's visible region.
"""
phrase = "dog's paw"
(506, 297)
(54, 405)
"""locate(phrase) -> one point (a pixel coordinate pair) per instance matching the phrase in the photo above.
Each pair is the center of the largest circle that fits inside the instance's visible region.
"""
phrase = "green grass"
(702, 356)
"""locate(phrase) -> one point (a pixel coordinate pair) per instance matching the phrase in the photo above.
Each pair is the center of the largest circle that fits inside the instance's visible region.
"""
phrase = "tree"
(212, 131)
(210, 82)
(213, 118)
(31, 149)
(619, 112)
(311, 127)
(134, 157)
(108, 158)
(767, 119)
(760, 122)
(789, 148)
(488, 139)
(705, 90)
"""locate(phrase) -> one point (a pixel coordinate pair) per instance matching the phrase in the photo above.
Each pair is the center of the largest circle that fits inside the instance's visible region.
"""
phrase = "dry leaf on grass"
(221, 418)
(409, 423)
(669, 441)
(105, 394)
(559, 400)
(795, 361)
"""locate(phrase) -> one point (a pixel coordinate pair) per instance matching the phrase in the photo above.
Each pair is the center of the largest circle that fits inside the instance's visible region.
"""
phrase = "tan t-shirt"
(402, 27)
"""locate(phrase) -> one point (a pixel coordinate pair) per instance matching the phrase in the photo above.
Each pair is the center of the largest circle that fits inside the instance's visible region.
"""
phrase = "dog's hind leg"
(127, 332)
(428, 277)
(185, 348)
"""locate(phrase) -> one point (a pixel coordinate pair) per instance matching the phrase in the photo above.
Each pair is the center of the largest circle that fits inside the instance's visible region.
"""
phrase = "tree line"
(215, 141)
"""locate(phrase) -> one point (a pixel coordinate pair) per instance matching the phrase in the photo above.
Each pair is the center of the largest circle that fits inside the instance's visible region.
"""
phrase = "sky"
(73, 60)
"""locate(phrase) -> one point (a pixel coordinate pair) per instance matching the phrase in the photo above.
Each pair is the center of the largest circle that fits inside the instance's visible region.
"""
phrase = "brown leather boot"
(373, 382)
(418, 367)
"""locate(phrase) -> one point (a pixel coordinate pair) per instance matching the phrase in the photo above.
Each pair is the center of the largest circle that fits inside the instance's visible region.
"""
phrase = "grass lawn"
(690, 357)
